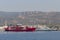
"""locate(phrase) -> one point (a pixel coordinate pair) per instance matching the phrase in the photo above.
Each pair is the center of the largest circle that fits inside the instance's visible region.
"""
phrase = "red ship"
(19, 28)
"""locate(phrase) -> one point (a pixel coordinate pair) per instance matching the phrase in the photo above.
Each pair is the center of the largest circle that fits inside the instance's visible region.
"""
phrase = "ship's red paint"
(20, 28)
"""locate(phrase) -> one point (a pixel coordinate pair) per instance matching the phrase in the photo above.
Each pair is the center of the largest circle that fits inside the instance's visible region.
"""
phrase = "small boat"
(19, 28)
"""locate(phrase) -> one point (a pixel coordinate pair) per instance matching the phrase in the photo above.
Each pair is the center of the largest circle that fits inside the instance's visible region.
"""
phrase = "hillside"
(30, 17)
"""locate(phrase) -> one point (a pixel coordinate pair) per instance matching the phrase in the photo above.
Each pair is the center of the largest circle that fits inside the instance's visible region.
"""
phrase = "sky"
(29, 5)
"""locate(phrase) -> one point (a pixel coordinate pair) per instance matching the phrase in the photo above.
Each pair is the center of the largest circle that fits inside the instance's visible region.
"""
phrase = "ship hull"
(18, 28)
(29, 30)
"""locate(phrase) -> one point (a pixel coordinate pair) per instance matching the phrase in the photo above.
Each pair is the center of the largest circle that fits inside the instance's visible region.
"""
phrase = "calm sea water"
(42, 35)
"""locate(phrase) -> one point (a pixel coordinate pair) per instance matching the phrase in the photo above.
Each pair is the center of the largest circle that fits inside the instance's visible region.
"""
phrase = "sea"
(38, 35)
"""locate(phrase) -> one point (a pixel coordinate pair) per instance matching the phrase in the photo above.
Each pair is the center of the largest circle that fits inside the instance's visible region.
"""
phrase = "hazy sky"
(29, 5)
